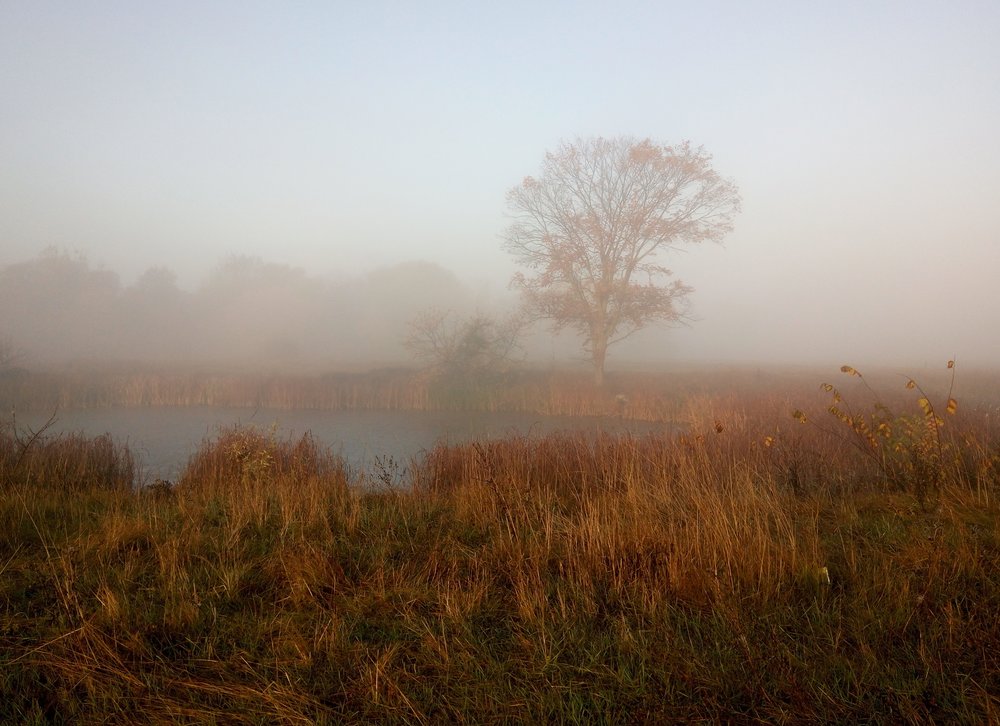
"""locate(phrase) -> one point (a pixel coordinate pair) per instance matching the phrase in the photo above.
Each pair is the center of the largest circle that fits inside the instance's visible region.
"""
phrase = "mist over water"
(60, 309)
(230, 185)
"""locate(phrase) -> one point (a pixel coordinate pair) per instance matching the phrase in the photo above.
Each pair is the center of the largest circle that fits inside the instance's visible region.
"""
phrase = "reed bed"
(634, 395)
(755, 568)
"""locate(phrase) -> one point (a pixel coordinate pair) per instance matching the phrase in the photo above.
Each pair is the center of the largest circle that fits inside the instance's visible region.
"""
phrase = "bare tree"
(466, 348)
(589, 227)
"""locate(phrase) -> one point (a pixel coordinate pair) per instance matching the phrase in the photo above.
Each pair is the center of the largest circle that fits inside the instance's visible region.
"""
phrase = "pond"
(163, 438)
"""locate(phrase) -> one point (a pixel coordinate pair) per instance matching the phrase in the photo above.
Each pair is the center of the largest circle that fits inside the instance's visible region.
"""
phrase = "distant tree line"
(59, 308)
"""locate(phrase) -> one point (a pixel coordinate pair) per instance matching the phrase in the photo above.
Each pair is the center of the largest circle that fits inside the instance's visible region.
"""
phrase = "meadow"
(801, 553)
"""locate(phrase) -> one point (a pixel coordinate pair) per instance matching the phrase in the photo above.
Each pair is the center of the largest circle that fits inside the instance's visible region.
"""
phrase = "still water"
(163, 438)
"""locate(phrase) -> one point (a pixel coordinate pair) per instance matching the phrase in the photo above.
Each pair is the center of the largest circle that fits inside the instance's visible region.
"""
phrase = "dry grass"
(755, 568)
(641, 396)
(70, 462)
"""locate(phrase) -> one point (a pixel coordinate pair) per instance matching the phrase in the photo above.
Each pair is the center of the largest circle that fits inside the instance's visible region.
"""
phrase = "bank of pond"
(162, 439)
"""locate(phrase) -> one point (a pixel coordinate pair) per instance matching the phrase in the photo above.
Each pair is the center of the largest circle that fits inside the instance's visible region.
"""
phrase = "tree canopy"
(589, 228)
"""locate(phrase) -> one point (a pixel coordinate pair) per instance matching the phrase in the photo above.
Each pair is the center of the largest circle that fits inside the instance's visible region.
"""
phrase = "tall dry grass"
(68, 462)
(754, 568)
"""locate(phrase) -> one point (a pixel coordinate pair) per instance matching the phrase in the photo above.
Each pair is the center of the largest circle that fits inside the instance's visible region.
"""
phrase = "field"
(799, 554)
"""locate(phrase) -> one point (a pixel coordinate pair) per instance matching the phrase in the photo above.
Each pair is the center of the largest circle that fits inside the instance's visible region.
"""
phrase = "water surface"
(164, 438)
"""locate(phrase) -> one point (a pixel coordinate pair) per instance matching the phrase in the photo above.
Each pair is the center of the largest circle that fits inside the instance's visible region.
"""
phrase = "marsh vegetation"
(760, 566)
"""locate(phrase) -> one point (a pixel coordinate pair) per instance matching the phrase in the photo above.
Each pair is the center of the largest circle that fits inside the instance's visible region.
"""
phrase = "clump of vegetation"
(247, 457)
(467, 358)
(569, 578)
(70, 462)
(910, 451)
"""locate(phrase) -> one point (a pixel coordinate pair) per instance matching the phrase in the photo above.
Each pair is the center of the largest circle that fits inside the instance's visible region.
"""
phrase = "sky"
(342, 137)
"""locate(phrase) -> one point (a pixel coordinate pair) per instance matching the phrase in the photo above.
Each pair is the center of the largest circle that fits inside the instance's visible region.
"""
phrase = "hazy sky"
(865, 138)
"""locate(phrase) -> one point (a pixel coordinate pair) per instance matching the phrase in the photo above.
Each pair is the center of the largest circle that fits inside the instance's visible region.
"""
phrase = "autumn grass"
(755, 568)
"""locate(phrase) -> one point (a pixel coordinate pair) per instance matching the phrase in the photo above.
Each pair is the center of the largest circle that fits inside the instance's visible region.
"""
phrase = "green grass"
(562, 579)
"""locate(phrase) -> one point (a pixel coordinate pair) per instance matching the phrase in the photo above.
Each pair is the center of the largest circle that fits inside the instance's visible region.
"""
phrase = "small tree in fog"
(464, 349)
(590, 226)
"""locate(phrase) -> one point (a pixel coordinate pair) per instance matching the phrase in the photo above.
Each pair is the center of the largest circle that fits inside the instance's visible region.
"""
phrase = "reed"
(640, 396)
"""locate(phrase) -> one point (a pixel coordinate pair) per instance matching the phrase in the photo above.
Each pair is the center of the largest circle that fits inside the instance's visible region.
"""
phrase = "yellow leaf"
(952, 406)
(911, 384)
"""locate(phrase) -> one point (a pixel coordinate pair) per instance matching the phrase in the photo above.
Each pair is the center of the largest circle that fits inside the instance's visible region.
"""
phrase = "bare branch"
(465, 346)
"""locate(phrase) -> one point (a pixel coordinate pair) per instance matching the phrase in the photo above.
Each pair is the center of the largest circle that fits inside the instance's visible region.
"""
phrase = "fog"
(256, 185)
(58, 309)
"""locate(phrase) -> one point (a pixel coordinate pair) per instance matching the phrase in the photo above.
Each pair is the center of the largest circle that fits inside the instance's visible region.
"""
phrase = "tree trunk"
(598, 356)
